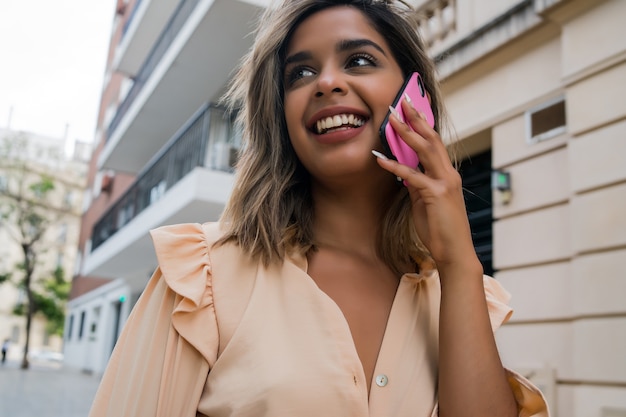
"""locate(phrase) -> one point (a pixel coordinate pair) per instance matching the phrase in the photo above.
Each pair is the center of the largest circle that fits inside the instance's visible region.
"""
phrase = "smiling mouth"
(338, 122)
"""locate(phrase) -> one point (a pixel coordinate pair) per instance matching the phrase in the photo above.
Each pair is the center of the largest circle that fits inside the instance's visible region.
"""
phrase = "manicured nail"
(379, 155)
(395, 113)
(421, 115)
(408, 99)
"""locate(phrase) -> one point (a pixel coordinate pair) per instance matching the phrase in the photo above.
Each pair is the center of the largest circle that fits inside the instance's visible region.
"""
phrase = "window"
(97, 183)
(81, 325)
(86, 200)
(125, 87)
(78, 262)
(157, 192)
(68, 199)
(70, 326)
(62, 238)
(224, 137)
(109, 114)
(545, 121)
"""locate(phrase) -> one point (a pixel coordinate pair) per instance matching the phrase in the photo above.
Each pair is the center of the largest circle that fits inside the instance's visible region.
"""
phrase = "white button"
(382, 380)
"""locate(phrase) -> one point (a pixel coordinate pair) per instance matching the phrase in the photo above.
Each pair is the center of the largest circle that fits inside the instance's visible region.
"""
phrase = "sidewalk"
(45, 390)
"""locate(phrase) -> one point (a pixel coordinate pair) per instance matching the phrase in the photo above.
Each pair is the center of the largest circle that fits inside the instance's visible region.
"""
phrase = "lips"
(338, 122)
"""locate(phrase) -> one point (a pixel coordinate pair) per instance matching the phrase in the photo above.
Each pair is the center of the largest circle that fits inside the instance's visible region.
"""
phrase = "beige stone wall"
(560, 243)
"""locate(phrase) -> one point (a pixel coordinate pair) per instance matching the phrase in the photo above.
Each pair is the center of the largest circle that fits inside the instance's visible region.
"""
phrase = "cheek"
(384, 90)
(386, 95)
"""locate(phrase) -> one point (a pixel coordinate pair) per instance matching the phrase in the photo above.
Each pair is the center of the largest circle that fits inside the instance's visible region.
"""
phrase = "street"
(45, 390)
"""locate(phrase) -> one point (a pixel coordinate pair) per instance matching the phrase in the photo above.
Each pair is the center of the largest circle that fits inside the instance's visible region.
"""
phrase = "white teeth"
(338, 121)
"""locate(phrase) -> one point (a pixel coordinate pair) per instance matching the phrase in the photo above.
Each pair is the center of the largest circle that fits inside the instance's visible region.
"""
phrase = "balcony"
(466, 47)
(437, 23)
(189, 180)
(140, 32)
(190, 62)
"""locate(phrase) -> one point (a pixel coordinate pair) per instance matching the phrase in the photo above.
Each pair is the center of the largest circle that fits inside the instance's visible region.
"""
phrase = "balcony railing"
(176, 22)
(208, 139)
(438, 21)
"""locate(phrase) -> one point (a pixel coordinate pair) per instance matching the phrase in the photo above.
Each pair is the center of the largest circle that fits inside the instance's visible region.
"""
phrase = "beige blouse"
(216, 334)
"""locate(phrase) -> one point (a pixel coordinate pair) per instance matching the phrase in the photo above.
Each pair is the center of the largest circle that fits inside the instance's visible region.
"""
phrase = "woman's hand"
(436, 193)
(465, 386)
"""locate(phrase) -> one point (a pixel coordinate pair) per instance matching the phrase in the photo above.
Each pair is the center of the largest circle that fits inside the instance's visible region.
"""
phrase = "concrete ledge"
(506, 27)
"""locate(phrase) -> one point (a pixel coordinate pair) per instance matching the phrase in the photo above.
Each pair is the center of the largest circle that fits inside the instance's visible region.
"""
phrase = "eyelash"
(371, 60)
(293, 75)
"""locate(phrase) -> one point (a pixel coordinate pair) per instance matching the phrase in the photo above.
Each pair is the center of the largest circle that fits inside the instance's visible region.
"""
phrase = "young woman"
(329, 287)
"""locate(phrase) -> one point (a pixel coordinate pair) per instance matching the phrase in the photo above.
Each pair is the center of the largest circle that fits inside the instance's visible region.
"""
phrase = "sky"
(52, 64)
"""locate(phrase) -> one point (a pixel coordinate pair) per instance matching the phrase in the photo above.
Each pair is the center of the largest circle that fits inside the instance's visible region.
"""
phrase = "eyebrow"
(350, 44)
(342, 46)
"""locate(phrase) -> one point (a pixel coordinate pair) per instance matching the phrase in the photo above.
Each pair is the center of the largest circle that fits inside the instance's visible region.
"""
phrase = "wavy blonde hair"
(270, 212)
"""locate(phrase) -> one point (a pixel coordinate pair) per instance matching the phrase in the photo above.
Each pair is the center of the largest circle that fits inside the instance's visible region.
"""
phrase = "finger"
(411, 177)
(418, 122)
(429, 156)
(435, 154)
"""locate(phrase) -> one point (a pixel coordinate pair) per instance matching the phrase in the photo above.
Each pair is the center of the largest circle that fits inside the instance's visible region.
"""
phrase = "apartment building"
(41, 155)
(535, 91)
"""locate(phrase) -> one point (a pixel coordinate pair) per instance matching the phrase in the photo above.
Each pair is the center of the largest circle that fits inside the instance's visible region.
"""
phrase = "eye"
(297, 73)
(361, 60)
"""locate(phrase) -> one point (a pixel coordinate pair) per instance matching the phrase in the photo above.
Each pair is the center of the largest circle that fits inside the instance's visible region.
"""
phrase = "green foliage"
(42, 187)
(49, 299)
(19, 309)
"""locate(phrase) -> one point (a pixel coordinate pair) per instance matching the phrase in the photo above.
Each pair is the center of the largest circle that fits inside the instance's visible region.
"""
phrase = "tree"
(49, 299)
(26, 213)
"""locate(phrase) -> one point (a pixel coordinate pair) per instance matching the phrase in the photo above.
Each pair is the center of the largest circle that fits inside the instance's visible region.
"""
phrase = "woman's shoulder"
(184, 253)
(182, 233)
(190, 245)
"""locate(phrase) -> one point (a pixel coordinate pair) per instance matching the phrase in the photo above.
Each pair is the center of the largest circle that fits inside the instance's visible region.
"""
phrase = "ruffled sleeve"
(161, 361)
(530, 401)
(183, 255)
(497, 302)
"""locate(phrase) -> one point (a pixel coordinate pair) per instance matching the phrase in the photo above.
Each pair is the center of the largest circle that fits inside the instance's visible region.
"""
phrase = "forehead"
(329, 25)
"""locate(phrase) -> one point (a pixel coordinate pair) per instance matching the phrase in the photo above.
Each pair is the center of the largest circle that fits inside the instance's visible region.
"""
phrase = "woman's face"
(340, 78)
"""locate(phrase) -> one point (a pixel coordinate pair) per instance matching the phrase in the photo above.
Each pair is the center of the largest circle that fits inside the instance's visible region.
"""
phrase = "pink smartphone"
(393, 145)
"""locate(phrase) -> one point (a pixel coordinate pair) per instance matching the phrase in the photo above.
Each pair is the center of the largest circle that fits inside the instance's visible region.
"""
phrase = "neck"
(350, 218)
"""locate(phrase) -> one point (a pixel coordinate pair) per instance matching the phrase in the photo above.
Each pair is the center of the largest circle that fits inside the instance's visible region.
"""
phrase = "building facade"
(534, 91)
(57, 248)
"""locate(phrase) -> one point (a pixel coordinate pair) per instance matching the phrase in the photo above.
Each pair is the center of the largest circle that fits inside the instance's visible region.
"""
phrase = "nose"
(331, 81)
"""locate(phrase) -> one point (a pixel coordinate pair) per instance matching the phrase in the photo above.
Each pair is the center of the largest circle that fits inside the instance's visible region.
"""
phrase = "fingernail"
(395, 113)
(379, 155)
(408, 99)
(422, 115)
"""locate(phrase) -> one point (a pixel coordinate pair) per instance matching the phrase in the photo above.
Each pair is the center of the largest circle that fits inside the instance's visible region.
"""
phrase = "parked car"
(45, 355)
